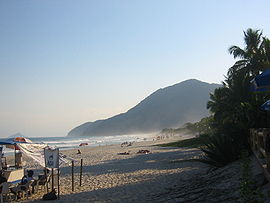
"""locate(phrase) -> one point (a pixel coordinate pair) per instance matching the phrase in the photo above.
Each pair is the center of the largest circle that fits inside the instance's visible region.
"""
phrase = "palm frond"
(237, 52)
(252, 39)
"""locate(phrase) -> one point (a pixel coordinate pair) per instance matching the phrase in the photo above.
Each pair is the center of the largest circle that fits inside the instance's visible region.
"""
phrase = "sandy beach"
(159, 176)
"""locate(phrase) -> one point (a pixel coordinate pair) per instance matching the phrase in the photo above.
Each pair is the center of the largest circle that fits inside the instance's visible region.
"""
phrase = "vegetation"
(171, 131)
(198, 128)
(220, 150)
(192, 142)
(201, 127)
(247, 190)
(236, 109)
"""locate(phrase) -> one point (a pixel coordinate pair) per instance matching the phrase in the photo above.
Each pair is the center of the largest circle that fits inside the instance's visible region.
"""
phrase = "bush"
(221, 150)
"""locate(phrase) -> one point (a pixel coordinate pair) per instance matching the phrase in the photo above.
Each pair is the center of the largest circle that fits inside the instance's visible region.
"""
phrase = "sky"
(66, 62)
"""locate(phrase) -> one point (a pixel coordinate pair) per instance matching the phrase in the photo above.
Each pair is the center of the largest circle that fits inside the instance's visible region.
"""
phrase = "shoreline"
(137, 177)
(165, 174)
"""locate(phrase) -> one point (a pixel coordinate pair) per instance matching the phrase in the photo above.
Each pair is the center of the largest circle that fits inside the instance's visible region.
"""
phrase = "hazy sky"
(66, 62)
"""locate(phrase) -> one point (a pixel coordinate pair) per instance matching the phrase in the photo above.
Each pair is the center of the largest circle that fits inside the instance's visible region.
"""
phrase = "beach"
(119, 174)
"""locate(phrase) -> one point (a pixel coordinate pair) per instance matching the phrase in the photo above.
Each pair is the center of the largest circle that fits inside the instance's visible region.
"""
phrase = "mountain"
(16, 135)
(165, 108)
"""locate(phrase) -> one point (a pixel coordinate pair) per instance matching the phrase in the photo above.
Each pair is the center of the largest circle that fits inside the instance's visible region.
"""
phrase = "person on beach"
(27, 178)
(2, 178)
(79, 152)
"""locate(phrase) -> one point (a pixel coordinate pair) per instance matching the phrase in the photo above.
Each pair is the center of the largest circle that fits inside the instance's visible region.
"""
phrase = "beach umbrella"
(266, 106)
(11, 143)
(22, 140)
(261, 82)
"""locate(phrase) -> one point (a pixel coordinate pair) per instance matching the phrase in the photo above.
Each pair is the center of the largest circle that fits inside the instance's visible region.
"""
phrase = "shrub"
(219, 150)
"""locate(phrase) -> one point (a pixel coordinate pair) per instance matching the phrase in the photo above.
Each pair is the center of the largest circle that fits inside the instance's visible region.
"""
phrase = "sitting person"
(24, 181)
(2, 178)
(3, 162)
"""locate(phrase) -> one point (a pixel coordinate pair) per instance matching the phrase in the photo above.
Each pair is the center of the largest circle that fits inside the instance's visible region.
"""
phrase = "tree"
(251, 56)
(234, 103)
(234, 107)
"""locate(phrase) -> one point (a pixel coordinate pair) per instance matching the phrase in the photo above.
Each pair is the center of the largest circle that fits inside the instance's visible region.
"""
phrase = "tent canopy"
(32, 150)
(266, 106)
(261, 82)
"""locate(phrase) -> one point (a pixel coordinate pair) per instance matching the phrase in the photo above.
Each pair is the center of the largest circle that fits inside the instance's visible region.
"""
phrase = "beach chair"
(41, 184)
(25, 189)
(5, 191)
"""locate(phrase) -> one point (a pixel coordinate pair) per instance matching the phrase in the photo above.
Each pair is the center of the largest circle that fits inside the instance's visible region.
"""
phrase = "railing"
(260, 145)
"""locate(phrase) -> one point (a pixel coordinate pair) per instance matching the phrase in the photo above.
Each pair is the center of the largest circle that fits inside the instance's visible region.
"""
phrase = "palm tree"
(252, 56)
(266, 52)
(235, 108)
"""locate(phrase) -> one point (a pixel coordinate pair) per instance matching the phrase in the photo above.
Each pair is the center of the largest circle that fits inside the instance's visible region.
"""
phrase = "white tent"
(36, 152)
(32, 150)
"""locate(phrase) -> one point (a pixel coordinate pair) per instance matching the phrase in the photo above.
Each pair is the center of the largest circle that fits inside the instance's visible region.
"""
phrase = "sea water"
(64, 143)
(74, 142)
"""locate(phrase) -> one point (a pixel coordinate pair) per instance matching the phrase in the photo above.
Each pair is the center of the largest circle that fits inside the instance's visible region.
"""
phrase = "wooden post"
(72, 176)
(81, 172)
(46, 175)
(47, 184)
(58, 175)
(52, 180)
(15, 155)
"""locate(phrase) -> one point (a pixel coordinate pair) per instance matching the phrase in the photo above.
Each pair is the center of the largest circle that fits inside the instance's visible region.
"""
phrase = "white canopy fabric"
(36, 152)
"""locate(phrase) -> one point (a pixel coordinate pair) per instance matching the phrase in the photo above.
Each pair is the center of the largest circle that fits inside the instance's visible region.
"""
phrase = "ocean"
(65, 143)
